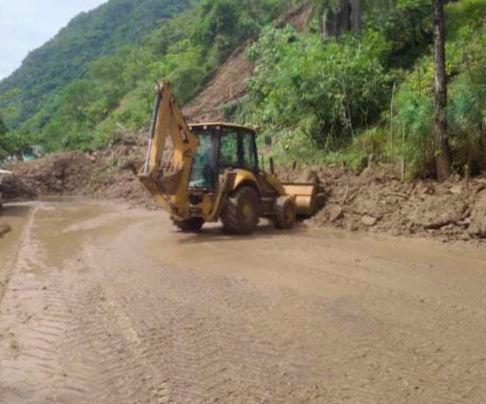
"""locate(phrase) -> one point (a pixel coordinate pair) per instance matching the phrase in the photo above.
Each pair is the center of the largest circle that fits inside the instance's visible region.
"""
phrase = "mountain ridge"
(86, 37)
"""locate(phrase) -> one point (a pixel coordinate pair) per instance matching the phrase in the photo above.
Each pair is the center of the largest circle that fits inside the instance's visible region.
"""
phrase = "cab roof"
(222, 124)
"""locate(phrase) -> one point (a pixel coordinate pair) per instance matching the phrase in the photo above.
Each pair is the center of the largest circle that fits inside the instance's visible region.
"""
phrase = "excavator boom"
(167, 168)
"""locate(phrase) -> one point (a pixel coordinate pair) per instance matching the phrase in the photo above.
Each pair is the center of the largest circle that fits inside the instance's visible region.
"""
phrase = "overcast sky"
(27, 24)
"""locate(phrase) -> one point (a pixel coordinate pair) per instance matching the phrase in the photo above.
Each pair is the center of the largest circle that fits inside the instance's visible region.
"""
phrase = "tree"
(440, 88)
(339, 17)
(3, 140)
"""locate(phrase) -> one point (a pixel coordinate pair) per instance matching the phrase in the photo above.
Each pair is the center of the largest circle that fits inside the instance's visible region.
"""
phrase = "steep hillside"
(368, 95)
(87, 36)
(347, 82)
(230, 84)
(76, 95)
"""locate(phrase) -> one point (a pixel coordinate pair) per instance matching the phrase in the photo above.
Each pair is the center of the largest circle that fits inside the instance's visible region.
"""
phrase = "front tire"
(192, 225)
(241, 212)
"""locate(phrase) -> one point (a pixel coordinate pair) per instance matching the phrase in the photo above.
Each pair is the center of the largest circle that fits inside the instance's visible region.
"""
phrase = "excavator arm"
(167, 169)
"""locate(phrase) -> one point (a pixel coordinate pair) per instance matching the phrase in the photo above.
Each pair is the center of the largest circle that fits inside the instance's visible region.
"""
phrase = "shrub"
(323, 92)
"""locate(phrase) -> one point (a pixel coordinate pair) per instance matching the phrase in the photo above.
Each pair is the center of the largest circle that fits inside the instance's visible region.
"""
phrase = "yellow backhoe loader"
(208, 172)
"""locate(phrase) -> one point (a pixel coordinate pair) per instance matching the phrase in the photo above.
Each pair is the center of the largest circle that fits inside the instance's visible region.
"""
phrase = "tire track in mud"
(36, 321)
(182, 338)
(69, 346)
(232, 359)
(415, 350)
(113, 324)
(211, 333)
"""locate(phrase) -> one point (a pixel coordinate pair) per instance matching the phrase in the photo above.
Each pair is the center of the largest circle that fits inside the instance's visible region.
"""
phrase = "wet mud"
(101, 303)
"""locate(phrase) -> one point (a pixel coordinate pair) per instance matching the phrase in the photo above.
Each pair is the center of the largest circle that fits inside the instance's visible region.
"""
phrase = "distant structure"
(33, 152)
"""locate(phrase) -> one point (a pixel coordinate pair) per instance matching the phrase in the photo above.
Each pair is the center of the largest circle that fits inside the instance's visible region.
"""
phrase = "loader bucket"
(305, 197)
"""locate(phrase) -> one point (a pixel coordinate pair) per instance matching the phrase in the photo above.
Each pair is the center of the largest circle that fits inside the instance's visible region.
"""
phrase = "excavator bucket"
(305, 197)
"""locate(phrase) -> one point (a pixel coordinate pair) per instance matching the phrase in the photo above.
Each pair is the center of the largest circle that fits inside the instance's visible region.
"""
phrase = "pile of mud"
(377, 200)
(12, 187)
(108, 174)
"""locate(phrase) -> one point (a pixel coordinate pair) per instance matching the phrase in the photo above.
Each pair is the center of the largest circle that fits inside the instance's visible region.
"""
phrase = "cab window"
(202, 173)
(228, 149)
(249, 155)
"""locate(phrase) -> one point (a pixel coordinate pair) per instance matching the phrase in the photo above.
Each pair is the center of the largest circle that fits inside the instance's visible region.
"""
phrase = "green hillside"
(365, 93)
(95, 73)
(371, 95)
(68, 54)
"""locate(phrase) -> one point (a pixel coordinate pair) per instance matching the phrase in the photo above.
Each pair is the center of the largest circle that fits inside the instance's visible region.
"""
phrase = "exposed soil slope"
(230, 81)
(229, 84)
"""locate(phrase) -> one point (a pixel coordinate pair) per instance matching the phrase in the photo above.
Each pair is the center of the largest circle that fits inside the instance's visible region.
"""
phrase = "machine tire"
(192, 225)
(285, 213)
(241, 212)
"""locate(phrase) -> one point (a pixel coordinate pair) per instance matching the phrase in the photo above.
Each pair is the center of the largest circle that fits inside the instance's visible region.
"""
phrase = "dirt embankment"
(378, 200)
(230, 82)
(108, 174)
(12, 187)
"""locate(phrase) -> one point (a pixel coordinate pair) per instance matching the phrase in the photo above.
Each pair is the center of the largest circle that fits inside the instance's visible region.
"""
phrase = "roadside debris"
(12, 187)
(373, 201)
(4, 229)
(477, 227)
(378, 201)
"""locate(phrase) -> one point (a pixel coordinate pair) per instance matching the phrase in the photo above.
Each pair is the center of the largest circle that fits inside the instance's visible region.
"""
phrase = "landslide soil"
(106, 174)
(378, 200)
(375, 200)
(100, 303)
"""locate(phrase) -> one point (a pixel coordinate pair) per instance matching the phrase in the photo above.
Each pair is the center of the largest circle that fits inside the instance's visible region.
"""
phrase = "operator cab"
(221, 146)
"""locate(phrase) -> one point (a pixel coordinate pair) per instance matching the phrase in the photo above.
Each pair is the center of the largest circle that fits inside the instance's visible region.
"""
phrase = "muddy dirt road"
(101, 304)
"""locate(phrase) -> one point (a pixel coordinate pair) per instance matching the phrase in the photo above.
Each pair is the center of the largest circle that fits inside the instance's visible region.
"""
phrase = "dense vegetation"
(3, 139)
(111, 91)
(68, 55)
(361, 95)
(371, 95)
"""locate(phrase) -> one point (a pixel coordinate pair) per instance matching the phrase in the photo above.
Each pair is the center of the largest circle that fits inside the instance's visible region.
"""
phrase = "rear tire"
(285, 213)
(192, 225)
(241, 212)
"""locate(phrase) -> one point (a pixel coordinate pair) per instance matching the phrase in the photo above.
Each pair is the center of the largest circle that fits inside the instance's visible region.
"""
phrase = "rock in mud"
(456, 189)
(334, 212)
(309, 175)
(369, 221)
(4, 229)
(477, 227)
(436, 211)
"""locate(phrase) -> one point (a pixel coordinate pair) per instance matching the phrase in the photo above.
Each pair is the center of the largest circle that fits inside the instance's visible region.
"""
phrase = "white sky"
(27, 24)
